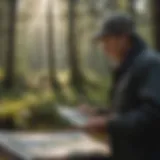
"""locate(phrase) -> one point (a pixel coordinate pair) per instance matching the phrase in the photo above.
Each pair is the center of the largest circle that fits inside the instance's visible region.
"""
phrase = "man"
(134, 121)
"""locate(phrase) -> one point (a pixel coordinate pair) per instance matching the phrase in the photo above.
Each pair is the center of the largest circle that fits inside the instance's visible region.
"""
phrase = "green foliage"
(36, 109)
(45, 116)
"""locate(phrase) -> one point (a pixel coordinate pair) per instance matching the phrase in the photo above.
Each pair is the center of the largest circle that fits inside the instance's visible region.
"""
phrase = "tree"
(156, 23)
(113, 4)
(50, 41)
(131, 8)
(77, 78)
(10, 55)
(3, 10)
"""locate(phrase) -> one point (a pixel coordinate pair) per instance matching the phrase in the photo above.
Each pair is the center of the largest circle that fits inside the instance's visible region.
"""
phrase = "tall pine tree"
(10, 55)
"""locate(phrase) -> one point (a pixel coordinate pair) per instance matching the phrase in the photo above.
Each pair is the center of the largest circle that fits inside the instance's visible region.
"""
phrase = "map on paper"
(48, 145)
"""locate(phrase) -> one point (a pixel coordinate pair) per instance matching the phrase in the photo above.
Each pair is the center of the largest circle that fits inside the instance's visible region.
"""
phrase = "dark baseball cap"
(116, 24)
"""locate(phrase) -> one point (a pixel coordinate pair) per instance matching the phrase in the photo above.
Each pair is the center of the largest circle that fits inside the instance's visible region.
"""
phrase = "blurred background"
(47, 57)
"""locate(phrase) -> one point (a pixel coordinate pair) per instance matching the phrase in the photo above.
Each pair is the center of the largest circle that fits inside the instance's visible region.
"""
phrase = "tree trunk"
(131, 8)
(156, 23)
(76, 75)
(114, 4)
(50, 41)
(10, 56)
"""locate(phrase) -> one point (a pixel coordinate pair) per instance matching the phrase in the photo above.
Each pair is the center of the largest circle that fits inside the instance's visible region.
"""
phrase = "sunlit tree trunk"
(10, 55)
(156, 22)
(50, 41)
(76, 74)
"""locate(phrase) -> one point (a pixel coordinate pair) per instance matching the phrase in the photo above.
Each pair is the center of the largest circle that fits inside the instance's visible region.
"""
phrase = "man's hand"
(98, 123)
(86, 109)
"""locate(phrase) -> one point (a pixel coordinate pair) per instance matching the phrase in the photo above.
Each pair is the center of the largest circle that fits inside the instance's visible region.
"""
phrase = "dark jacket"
(135, 131)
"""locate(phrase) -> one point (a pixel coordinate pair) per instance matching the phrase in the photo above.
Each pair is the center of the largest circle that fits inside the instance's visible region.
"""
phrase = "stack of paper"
(73, 115)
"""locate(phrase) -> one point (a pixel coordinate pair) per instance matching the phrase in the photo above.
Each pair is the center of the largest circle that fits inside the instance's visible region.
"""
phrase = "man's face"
(113, 46)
